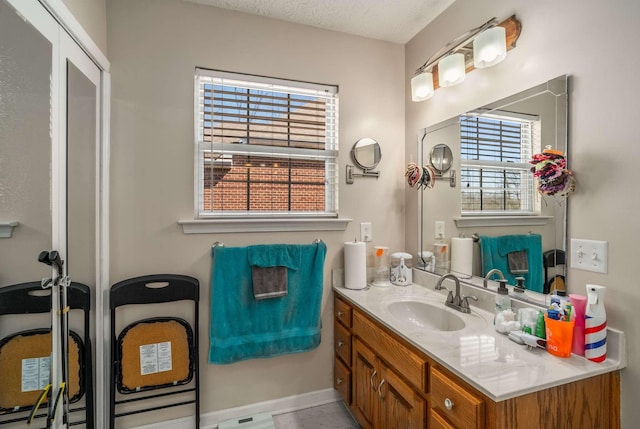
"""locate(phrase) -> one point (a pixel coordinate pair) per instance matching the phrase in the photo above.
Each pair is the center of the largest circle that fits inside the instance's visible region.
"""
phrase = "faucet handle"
(465, 301)
(450, 298)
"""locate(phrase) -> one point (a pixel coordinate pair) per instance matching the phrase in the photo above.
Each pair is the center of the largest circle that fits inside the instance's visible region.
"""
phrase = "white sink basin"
(425, 316)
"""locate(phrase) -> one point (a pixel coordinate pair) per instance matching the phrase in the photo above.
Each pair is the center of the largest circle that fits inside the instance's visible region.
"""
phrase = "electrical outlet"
(366, 231)
(589, 255)
(439, 229)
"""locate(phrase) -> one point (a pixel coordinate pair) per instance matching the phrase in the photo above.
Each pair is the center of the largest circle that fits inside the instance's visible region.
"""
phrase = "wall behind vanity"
(154, 46)
(582, 39)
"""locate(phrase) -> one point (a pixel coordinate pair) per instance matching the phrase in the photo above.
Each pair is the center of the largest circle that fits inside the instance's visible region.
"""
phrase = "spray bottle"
(595, 338)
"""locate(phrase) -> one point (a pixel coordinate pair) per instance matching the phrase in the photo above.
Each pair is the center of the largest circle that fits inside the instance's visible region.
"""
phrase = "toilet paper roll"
(462, 255)
(355, 265)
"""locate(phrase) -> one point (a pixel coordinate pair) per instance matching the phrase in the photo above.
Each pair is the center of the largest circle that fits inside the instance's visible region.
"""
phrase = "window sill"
(209, 226)
(481, 221)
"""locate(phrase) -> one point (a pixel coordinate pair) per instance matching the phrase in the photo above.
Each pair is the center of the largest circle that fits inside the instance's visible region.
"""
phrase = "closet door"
(50, 177)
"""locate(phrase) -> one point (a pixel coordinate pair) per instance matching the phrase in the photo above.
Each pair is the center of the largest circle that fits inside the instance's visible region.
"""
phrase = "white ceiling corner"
(391, 20)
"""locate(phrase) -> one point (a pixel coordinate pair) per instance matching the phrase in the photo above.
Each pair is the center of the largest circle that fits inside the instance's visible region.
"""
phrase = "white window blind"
(265, 147)
(495, 171)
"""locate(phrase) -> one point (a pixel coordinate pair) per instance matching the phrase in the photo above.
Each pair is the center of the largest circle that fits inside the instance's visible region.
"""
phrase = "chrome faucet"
(457, 302)
(490, 273)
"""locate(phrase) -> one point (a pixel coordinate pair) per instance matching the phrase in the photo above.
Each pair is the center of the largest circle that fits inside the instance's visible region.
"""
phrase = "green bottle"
(540, 328)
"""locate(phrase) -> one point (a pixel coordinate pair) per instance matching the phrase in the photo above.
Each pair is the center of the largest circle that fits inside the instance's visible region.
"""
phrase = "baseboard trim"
(274, 406)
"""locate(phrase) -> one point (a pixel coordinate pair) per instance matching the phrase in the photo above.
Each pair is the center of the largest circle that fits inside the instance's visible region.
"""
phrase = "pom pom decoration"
(550, 168)
(423, 177)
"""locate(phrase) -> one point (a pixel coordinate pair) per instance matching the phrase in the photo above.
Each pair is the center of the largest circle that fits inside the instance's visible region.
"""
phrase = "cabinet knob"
(338, 381)
(340, 344)
(340, 314)
(448, 404)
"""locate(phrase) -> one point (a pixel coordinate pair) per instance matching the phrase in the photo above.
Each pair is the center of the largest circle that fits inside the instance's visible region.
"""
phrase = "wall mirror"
(366, 155)
(546, 106)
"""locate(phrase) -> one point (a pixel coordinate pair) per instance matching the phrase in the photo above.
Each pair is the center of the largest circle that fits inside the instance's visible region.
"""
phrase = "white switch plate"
(439, 230)
(366, 231)
(589, 255)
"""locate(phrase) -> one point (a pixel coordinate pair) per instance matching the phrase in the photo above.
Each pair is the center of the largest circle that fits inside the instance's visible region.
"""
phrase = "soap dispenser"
(595, 330)
(503, 303)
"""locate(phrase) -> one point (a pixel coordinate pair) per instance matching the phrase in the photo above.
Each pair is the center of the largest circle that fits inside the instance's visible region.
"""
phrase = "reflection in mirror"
(366, 153)
(25, 146)
(441, 158)
(497, 196)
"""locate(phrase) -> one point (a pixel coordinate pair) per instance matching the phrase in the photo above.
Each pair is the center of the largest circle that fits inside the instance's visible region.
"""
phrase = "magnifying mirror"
(366, 153)
(441, 158)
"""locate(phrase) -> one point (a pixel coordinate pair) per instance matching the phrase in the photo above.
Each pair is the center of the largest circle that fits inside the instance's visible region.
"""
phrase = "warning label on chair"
(155, 358)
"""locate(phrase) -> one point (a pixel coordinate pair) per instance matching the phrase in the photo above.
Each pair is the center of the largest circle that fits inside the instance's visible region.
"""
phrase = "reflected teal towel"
(494, 251)
(242, 327)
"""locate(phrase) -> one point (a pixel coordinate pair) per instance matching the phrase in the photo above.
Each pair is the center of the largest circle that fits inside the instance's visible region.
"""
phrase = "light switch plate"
(439, 229)
(589, 255)
(366, 231)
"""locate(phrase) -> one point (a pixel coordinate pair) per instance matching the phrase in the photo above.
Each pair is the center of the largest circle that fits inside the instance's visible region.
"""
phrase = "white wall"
(154, 46)
(583, 39)
(92, 15)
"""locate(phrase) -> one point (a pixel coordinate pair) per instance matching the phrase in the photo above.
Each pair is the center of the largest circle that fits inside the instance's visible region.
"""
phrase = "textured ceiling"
(392, 20)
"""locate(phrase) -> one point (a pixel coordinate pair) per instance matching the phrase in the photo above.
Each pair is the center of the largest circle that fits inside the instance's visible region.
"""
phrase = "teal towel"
(242, 327)
(274, 255)
(494, 251)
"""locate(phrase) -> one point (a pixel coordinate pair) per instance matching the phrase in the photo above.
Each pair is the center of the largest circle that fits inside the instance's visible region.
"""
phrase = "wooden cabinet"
(382, 399)
(389, 384)
(342, 344)
(455, 403)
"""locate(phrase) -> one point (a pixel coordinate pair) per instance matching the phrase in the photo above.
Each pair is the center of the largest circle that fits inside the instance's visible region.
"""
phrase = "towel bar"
(219, 243)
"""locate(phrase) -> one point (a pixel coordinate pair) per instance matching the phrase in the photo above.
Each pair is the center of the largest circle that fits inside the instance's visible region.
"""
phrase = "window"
(265, 147)
(495, 170)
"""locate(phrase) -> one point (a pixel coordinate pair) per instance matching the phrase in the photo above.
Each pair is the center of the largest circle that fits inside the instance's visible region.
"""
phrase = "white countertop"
(489, 361)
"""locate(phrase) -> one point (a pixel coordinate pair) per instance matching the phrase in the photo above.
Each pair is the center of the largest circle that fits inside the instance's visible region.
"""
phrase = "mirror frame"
(558, 86)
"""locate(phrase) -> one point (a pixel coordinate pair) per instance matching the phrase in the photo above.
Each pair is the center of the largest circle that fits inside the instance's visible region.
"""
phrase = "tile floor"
(329, 416)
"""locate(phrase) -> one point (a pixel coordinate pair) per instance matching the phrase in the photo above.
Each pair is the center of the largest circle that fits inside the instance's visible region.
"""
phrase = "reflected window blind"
(495, 174)
(266, 147)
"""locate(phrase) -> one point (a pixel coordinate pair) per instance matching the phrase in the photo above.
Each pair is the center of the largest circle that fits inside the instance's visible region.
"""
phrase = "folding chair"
(153, 354)
(25, 355)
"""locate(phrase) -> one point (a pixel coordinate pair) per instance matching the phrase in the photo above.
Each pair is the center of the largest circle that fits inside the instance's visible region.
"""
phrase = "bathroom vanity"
(396, 369)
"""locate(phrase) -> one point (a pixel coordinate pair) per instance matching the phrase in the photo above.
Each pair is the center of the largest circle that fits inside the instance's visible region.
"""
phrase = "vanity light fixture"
(481, 47)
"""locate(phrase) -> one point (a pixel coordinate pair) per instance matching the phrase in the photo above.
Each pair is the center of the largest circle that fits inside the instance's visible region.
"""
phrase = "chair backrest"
(153, 289)
(31, 298)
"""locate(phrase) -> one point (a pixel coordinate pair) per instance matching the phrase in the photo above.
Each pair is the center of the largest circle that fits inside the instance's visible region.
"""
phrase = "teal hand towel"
(242, 327)
(494, 251)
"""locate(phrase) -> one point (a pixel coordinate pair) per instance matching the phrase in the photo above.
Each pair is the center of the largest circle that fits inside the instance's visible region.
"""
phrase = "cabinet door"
(400, 406)
(365, 381)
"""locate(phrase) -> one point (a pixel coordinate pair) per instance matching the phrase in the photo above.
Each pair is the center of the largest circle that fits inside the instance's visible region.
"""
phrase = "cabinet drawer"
(342, 343)
(436, 421)
(342, 312)
(453, 401)
(406, 362)
(342, 380)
